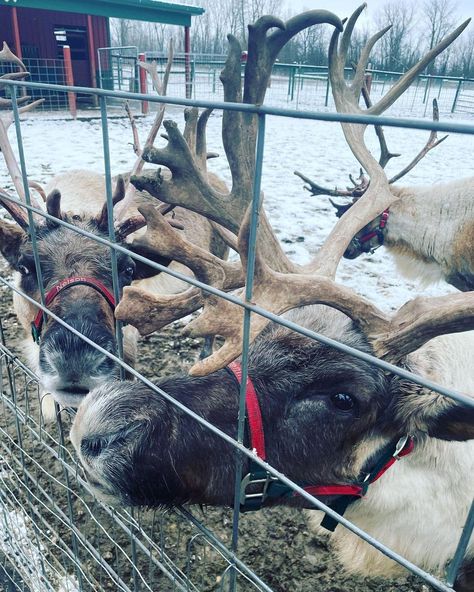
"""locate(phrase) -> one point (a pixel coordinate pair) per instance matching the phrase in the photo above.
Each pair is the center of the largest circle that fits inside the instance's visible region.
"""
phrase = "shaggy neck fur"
(419, 507)
(433, 226)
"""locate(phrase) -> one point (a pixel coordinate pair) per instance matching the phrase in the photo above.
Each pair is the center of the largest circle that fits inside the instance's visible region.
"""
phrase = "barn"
(38, 30)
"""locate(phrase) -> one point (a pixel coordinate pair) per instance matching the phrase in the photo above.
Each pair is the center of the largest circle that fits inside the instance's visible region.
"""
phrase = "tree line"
(416, 28)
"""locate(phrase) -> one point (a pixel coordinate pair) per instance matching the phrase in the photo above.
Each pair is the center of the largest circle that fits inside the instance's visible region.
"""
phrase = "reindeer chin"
(69, 399)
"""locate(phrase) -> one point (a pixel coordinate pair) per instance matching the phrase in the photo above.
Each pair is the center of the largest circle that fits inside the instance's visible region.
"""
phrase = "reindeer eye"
(26, 265)
(343, 402)
(23, 270)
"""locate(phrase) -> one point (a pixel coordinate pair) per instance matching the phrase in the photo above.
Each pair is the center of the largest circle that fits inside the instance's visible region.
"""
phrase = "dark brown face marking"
(465, 579)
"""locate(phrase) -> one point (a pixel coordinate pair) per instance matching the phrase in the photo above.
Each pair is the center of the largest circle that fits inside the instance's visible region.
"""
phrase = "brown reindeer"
(328, 420)
(75, 270)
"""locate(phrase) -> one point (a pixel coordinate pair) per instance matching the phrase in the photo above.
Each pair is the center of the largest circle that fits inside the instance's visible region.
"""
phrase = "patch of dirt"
(275, 543)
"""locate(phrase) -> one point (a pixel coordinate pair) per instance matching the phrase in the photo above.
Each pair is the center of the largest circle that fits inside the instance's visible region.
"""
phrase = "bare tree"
(439, 18)
(395, 51)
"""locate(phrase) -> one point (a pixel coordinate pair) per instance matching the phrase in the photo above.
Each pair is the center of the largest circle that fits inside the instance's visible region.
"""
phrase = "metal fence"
(302, 86)
(46, 70)
(55, 536)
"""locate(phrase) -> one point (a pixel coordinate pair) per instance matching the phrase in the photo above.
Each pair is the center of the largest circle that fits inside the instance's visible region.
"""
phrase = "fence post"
(456, 96)
(193, 77)
(187, 62)
(143, 83)
(71, 97)
(427, 87)
(326, 98)
(368, 82)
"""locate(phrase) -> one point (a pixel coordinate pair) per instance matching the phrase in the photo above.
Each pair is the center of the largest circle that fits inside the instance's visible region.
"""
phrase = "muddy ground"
(276, 544)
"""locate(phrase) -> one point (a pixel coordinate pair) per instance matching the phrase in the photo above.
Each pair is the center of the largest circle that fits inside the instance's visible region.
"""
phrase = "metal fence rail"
(299, 86)
(45, 504)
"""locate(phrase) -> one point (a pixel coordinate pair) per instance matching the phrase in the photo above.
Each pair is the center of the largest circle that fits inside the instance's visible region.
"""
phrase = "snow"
(315, 148)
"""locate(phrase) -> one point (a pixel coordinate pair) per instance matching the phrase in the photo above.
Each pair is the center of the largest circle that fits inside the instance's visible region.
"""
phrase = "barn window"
(76, 38)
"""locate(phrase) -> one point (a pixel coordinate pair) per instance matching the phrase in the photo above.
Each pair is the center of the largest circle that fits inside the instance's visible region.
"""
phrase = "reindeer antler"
(161, 89)
(280, 285)
(18, 213)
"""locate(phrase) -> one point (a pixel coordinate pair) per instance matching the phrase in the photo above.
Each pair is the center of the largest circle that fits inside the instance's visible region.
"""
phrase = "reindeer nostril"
(77, 390)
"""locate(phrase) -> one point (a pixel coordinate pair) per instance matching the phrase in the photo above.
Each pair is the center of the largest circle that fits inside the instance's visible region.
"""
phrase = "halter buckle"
(400, 446)
(35, 333)
(261, 478)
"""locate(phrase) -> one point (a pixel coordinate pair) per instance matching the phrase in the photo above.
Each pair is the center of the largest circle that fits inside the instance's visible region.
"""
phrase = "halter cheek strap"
(37, 323)
(265, 486)
(362, 244)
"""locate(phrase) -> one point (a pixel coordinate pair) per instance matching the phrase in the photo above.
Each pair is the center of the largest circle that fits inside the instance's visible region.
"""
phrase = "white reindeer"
(428, 229)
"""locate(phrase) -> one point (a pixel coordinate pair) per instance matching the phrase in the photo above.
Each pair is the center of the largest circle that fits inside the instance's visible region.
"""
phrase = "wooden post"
(71, 97)
(187, 62)
(92, 57)
(143, 83)
(16, 33)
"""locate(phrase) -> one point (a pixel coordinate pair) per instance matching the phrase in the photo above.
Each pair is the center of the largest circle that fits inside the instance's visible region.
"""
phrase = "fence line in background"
(300, 86)
(52, 504)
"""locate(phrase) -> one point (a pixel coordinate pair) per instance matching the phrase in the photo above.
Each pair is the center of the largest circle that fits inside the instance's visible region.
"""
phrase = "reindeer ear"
(11, 239)
(454, 423)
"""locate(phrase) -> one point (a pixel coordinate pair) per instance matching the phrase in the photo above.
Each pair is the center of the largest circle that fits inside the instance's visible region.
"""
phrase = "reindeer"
(429, 229)
(76, 270)
(327, 419)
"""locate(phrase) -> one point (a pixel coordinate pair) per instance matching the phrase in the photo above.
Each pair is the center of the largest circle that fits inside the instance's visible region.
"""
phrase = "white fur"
(428, 219)
(419, 506)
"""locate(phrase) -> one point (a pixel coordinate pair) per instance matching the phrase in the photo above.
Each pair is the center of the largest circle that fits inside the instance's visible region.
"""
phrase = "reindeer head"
(76, 273)
(327, 419)
(326, 416)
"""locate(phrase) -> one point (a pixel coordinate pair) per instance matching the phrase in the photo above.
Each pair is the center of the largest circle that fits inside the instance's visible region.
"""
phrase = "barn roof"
(141, 10)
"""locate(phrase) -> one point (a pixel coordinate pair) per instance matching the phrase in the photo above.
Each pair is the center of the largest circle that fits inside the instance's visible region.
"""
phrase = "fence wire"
(298, 86)
(54, 535)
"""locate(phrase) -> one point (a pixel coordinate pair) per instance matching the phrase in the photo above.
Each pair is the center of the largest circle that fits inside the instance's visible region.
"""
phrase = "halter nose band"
(37, 323)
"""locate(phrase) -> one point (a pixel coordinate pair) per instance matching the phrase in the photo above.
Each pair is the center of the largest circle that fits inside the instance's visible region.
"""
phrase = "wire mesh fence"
(306, 87)
(46, 70)
(54, 535)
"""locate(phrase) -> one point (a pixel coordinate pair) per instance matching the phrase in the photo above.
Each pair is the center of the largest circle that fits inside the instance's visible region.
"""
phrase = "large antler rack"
(17, 212)
(280, 285)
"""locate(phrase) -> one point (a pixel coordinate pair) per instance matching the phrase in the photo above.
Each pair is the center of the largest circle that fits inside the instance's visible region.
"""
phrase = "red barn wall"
(37, 30)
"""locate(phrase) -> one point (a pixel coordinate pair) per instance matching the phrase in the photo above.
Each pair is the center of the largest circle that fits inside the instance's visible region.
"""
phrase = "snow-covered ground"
(301, 221)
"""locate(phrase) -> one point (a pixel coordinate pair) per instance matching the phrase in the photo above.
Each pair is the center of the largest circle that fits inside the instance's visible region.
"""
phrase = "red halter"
(37, 324)
(271, 488)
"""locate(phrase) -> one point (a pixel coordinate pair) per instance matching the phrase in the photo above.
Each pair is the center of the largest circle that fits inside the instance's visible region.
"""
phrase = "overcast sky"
(344, 8)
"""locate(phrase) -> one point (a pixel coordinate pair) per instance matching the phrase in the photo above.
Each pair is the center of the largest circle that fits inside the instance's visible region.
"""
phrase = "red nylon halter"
(257, 438)
(257, 441)
(37, 324)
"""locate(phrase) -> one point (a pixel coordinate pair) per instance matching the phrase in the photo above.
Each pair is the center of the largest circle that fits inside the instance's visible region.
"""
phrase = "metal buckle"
(35, 334)
(400, 446)
(248, 480)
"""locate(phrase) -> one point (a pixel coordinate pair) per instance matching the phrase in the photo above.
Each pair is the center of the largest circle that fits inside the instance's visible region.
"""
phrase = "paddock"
(53, 534)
